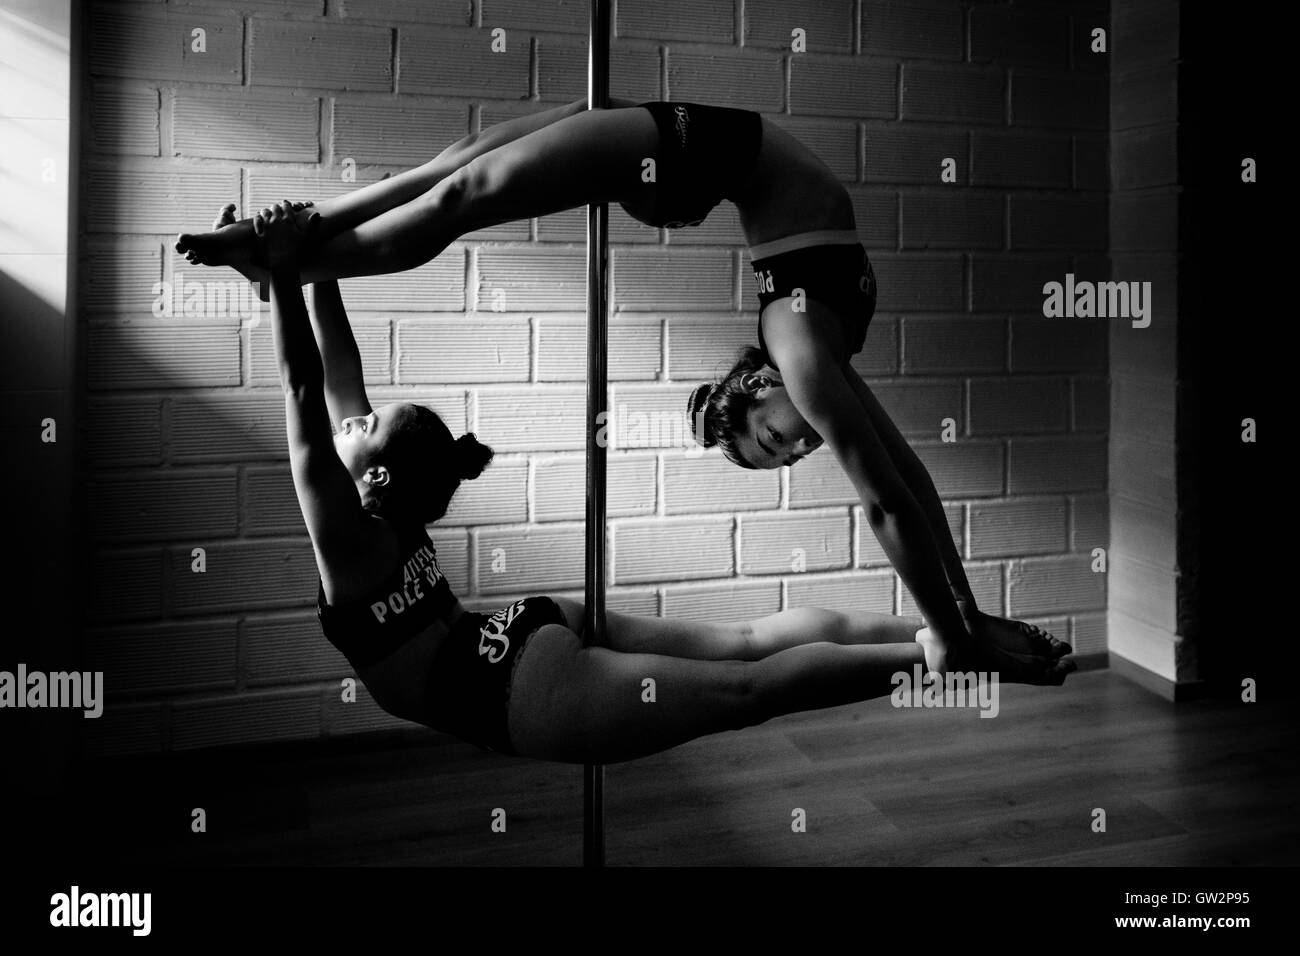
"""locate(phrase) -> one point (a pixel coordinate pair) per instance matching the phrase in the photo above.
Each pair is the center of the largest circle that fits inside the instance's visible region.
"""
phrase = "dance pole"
(593, 796)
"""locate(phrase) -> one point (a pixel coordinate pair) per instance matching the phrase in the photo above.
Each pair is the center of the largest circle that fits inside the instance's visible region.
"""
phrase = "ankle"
(933, 649)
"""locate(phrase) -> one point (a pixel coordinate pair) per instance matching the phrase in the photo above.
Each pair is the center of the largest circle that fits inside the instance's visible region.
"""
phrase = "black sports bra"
(404, 604)
(838, 276)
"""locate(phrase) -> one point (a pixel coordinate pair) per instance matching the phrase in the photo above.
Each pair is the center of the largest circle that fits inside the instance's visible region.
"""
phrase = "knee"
(454, 193)
(747, 643)
(750, 696)
(836, 626)
(832, 627)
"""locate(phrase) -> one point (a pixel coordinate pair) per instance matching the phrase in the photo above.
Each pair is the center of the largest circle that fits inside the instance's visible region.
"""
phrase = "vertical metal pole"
(593, 803)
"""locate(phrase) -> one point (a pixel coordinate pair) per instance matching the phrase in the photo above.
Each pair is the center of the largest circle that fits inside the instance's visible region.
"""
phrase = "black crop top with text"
(410, 599)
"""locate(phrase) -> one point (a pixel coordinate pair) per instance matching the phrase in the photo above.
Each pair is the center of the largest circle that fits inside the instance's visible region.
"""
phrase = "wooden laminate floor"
(1208, 782)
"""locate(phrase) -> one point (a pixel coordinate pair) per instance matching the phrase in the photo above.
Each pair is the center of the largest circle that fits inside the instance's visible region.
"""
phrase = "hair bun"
(472, 456)
(696, 415)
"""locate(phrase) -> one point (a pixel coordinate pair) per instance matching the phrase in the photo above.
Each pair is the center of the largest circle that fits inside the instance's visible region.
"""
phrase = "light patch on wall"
(34, 162)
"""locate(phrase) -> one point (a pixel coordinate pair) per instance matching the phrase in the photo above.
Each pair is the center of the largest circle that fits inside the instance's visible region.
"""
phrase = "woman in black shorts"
(669, 164)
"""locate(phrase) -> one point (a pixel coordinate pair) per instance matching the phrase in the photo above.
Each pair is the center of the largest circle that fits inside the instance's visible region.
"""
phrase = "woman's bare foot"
(1016, 637)
(250, 270)
(231, 242)
(985, 654)
(245, 265)
(1019, 653)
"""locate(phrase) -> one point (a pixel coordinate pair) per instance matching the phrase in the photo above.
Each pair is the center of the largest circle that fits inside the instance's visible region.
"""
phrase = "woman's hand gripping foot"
(233, 243)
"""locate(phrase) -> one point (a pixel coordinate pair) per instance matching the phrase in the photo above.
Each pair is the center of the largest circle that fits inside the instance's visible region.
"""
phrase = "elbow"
(877, 516)
(300, 390)
(884, 506)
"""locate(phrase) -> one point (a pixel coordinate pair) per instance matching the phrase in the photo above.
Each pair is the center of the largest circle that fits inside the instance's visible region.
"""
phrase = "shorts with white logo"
(705, 153)
(469, 685)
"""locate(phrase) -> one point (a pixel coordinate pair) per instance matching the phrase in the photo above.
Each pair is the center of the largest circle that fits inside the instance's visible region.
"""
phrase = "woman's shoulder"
(816, 334)
(381, 550)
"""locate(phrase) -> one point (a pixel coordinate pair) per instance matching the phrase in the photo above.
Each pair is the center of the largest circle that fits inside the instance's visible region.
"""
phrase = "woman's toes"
(1061, 671)
(183, 242)
(225, 217)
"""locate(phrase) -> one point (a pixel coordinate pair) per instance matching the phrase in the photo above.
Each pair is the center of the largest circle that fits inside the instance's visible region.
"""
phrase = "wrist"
(967, 611)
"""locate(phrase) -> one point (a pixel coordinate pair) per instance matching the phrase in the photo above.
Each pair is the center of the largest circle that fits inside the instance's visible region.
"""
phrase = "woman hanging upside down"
(519, 681)
(818, 292)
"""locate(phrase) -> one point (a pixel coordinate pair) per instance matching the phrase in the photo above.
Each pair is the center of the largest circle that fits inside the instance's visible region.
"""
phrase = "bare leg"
(233, 247)
(748, 640)
(591, 157)
(577, 704)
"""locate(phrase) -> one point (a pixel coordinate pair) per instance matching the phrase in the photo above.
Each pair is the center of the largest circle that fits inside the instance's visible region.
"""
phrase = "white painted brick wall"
(269, 504)
(125, 120)
(1017, 527)
(489, 350)
(560, 486)
(119, 278)
(784, 544)
(708, 483)
(860, 591)
(374, 342)
(673, 549)
(540, 559)
(828, 26)
(261, 126)
(635, 349)
(332, 56)
(408, 132)
(165, 658)
(722, 603)
(162, 355)
(454, 62)
(752, 81)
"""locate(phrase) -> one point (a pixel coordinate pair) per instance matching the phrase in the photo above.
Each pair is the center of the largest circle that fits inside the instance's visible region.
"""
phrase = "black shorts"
(468, 690)
(838, 276)
(705, 154)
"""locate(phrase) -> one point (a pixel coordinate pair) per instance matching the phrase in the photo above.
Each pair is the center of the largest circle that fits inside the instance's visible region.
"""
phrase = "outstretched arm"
(917, 477)
(326, 493)
(821, 392)
(345, 389)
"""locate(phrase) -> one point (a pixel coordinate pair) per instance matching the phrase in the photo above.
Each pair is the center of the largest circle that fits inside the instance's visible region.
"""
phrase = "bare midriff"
(790, 191)
(398, 682)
